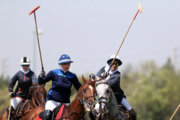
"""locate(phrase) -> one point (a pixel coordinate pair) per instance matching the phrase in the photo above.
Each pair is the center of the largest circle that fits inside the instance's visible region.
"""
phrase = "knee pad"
(47, 115)
(92, 116)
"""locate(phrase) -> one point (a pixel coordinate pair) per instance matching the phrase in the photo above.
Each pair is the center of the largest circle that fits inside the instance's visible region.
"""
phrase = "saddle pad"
(38, 118)
(59, 114)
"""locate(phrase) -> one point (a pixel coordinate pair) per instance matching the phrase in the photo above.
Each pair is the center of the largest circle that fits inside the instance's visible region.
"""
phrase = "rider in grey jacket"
(25, 78)
(114, 82)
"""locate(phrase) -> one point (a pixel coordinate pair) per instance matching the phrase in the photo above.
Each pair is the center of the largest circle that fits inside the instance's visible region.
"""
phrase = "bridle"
(36, 101)
(107, 100)
(108, 97)
(82, 101)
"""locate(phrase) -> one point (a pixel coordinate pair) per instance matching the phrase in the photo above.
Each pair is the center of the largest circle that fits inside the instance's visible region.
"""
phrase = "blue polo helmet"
(64, 58)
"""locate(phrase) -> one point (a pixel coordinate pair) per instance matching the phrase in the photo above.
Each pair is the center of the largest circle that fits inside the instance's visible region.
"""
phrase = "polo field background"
(152, 90)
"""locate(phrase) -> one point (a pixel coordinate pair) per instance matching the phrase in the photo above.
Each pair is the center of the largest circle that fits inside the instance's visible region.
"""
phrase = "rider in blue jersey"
(62, 80)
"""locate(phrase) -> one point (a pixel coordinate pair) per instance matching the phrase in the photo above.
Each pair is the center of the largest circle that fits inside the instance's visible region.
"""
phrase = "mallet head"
(140, 8)
(37, 7)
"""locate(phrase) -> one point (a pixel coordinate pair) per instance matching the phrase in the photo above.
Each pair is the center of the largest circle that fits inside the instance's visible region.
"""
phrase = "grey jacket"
(25, 81)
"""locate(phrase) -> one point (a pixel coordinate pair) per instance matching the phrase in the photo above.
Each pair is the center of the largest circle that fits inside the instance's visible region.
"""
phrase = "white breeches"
(126, 104)
(15, 102)
(51, 105)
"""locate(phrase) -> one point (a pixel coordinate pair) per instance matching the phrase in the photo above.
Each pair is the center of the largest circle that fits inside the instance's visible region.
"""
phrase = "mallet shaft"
(175, 112)
(9, 110)
(139, 10)
(38, 41)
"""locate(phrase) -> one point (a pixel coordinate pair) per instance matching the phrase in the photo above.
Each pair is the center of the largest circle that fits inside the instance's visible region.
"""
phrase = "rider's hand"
(10, 93)
(105, 74)
(92, 76)
(132, 114)
(43, 74)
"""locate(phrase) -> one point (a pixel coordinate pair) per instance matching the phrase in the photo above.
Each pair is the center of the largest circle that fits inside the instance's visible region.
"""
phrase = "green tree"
(153, 91)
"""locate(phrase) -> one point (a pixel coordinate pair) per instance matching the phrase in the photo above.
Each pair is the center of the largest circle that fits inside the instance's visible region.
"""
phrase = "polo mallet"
(175, 112)
(37, 33)
(139, 10)
(9, 110)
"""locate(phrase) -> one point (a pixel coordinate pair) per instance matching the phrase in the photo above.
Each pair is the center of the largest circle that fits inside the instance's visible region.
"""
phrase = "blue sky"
(89, 31)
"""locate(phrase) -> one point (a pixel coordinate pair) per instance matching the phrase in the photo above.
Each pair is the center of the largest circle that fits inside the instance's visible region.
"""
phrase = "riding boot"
(132, 114)
(87, 116)
(12, 112)
(47, 115)
(92, 115)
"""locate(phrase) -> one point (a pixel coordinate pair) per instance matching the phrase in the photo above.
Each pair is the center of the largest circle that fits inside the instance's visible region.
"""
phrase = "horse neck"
(35, 100)
(77, 106)
(114, 106)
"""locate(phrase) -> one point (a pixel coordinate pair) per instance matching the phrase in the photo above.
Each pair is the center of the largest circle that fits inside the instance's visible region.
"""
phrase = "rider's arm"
(76, 83)
(13, 82)
(99, 74)
(47, 78)
(114, 81)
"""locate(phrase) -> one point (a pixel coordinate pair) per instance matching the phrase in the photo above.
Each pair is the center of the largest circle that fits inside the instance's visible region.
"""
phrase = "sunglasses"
(116, 64)
(66, 63)
(25, 65)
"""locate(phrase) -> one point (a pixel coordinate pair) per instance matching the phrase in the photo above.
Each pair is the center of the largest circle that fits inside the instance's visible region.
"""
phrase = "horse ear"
(83, 79)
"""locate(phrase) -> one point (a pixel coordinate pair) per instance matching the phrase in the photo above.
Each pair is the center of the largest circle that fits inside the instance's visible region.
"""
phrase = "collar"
(25, 72)
(62, 69)
(110, 72)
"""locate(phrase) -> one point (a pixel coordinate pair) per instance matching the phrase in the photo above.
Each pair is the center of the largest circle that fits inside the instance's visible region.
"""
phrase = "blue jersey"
(61, 85)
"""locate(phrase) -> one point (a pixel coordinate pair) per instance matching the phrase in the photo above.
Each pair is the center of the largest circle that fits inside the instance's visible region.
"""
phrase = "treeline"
(4, 97)
(152, 90)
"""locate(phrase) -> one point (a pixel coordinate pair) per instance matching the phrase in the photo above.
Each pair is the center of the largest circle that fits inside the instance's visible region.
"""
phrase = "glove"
(92, 76)
(10, 94)
(104, 75)
(43, 74)
(132, 114)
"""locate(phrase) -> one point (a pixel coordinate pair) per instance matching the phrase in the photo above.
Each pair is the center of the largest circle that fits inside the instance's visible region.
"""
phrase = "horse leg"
(33, 114)
(3, 115)
(87, 116)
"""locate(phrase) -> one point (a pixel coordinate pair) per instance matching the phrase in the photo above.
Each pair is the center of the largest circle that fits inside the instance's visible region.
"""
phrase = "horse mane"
(87, 81)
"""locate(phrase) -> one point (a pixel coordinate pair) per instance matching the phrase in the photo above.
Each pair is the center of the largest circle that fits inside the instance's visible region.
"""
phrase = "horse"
(37, 95)
(83, 102)
(107, 107)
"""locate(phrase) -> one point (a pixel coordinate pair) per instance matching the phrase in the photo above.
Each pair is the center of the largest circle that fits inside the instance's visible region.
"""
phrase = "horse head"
(104, 95)
(87, 94)
(38, 95)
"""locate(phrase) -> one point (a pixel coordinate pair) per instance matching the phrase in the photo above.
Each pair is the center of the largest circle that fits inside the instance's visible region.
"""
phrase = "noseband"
(82, 101)
(85, 100)
(108, 97)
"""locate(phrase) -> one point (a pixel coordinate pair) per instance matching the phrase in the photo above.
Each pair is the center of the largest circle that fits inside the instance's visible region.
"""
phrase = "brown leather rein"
(81, 101)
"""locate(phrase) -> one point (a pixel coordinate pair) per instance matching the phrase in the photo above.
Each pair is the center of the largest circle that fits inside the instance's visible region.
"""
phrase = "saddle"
(22, 107)
(57, 112)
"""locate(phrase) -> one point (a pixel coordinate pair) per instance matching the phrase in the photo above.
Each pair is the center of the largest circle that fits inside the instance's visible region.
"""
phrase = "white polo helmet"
(112, 57)
(25, 61)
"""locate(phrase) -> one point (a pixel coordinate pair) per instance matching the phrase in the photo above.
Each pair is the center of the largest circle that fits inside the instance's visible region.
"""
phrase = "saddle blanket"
(58, 116)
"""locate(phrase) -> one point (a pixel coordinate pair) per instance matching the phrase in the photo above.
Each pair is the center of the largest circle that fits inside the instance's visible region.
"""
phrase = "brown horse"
(38, 96)
(83, 101)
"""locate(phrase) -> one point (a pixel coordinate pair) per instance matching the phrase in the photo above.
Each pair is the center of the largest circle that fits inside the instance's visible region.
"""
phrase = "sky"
(89, 31)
